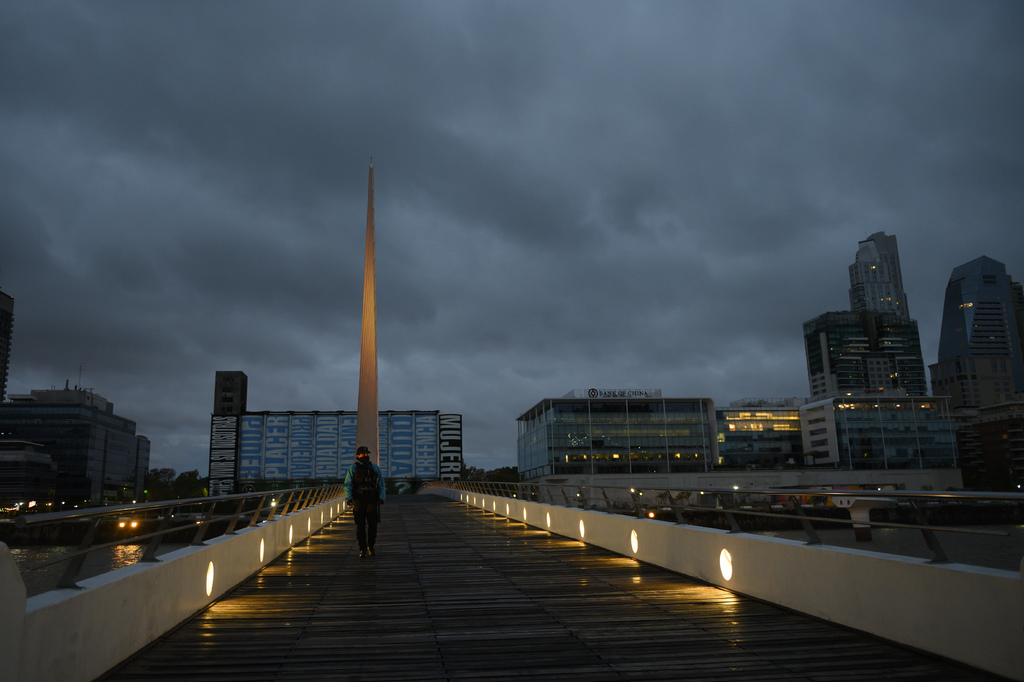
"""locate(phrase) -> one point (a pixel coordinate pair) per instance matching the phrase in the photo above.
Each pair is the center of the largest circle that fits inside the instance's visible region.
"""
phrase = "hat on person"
(361, 449)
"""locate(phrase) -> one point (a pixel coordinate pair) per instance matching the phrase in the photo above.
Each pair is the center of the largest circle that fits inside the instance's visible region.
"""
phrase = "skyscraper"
(874, 347)
(6, 330)
(850, 353)
(979, 359)
(876, 281)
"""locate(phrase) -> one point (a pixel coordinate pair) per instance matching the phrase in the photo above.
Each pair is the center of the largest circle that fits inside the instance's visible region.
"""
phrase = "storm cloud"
(568, 194)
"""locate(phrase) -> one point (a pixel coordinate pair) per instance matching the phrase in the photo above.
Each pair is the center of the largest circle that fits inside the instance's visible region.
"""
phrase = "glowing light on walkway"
(725, 563)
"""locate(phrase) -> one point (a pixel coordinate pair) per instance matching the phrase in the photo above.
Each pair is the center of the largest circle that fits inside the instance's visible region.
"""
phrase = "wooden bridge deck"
(457, 594)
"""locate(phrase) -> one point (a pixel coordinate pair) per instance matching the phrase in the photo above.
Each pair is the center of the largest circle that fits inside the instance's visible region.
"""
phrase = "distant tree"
(167, 484)
(189, 484)
(503, 475)
(472, 473)
(159, 484)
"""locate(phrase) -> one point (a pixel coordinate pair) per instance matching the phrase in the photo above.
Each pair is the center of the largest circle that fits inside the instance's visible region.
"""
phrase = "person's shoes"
(370, 551)
(363, 554)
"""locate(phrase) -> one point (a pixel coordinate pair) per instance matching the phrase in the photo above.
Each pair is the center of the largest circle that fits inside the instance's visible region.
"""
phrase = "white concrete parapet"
(964, 613)
(79, 634)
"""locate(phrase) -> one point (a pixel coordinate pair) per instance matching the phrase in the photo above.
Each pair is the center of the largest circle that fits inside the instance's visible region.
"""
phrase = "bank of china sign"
(623, 393)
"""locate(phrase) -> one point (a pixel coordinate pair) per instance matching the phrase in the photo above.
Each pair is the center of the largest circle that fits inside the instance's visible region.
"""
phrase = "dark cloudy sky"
(568, 194)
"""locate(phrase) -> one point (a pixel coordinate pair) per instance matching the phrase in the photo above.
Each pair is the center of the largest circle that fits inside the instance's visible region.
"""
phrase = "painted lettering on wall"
(250, 463)
(275, 447)
(325, 448)
(223, 454)
(401, 445)
(450, 445)
(300, 446)
(426, 445)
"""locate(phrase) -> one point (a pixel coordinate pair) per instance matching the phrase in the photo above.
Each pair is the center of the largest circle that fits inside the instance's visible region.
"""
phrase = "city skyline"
(570, 196)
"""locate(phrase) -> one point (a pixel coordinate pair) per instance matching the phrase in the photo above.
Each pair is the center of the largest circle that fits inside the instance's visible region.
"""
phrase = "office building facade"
(249, 447)
(100, 459)
(6, 333)
(990, 440)
(979, 361)
(616, 431)
(760, 433)
(850, 353)
(879, 432)
(27, 475)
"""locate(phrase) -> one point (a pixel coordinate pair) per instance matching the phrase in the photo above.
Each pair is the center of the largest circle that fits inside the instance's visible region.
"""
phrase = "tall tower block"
(876, 280)
(367, 426)
(6, 331)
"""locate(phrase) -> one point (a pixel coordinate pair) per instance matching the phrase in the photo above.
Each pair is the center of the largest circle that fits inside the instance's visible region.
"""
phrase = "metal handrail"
(631, 498)
(297, 500)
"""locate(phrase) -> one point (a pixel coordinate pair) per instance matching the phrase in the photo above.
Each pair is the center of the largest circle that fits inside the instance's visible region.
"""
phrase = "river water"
(96, 563)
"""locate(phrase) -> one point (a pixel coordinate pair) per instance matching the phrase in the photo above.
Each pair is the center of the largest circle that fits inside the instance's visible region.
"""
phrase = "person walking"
(364, 493)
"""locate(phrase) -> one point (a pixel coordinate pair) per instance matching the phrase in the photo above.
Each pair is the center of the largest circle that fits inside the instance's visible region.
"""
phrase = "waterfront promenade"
(456, 593)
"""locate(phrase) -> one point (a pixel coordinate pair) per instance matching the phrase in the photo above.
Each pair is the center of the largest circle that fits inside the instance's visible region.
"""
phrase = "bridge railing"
(808, 507)
(78, 632)
(174, 516)
(970, 614)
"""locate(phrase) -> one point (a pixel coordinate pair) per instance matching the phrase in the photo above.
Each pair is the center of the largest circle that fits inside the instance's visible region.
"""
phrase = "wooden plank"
(459, 594)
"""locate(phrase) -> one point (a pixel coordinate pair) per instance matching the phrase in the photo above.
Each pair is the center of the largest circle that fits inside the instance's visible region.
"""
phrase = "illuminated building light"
(289, 535)
(262, 548)
(634, 542)
(508, 511)
(583, 530)
(549, 518)
(209, 579)
(725, 563)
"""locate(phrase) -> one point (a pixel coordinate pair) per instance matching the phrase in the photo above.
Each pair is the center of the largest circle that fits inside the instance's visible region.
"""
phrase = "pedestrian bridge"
(469, 586)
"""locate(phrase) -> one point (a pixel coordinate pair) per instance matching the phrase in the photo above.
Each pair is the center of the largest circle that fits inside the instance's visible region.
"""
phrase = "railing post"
(234, 518)
(201, 533)
(154, 544)
(734, 526)
(69, 579)
(938, 554)
(635, 496)
(255, 520)
(805, 522)
(675, 510)
(584, 498)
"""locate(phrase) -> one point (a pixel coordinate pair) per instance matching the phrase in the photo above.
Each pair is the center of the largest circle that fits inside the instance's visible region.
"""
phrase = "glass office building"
(99, 457)
(850, 352)
(762, 433)
(980, 361)
(879, 433)
(602, 431)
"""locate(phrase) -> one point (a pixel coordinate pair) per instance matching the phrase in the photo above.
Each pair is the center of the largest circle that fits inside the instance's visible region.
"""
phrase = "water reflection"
(96, 563)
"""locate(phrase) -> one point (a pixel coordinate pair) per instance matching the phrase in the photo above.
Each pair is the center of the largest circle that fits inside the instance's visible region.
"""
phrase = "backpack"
(364, 483)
